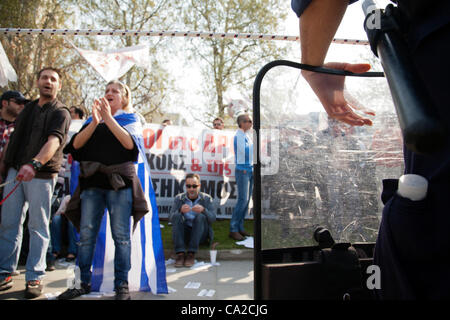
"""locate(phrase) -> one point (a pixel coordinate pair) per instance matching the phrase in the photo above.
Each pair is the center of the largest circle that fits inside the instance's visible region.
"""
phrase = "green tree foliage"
(228, 62)
(30, 53)
(225, 63)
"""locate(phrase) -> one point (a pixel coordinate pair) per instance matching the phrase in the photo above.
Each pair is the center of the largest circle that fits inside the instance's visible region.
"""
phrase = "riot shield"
(314, 172)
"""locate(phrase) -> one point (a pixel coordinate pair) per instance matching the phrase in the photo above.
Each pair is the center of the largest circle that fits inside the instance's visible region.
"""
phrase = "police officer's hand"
(26, 173)
(330, 91)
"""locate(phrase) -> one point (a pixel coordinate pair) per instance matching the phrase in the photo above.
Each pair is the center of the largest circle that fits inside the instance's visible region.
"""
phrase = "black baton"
(422, 130)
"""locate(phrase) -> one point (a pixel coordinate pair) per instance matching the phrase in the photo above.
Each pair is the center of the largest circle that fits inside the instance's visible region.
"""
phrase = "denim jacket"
(205, 201)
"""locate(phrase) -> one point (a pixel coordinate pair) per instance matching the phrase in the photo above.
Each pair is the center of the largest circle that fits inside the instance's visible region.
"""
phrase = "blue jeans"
(182, 234)
(94, 201)
(35, 195)
(244, 182)
(56, 239)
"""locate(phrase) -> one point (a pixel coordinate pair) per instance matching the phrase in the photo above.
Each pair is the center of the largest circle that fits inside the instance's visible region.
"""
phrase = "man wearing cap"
(32, 158)
(11, 103)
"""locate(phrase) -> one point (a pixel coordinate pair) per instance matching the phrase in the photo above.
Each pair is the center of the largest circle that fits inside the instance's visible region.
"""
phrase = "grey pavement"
(229, 280)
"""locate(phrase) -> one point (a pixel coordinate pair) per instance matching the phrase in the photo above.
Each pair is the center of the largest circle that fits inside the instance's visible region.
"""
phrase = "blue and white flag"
(148, 270)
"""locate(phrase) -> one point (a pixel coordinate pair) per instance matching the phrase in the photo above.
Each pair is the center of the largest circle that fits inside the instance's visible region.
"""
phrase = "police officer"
(413, 245)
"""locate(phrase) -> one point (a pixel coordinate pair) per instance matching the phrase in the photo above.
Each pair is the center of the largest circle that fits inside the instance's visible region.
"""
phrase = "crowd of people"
(62, 183)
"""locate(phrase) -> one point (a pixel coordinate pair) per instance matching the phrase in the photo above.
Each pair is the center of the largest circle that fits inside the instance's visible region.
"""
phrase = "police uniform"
(413, 245)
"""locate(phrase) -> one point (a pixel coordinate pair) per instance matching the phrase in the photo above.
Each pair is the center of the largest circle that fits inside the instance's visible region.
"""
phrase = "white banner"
(174, 151)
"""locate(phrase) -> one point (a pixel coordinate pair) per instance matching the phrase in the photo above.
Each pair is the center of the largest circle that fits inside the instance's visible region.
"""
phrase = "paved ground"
(232, 279)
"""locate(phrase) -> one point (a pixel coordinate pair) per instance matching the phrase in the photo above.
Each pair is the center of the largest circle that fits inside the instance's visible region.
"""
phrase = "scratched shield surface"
(320, 172)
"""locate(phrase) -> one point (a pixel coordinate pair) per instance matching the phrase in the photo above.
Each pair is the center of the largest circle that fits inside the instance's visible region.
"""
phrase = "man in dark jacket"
(191, 216)
(32, 159)
(11, 104)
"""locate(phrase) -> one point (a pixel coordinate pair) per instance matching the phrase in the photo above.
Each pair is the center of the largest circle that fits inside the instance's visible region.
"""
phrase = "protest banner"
(174, 151)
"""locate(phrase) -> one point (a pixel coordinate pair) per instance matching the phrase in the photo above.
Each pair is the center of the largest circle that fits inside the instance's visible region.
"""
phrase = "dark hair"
(167, 120)
(218, 118)
(78, 111)
(49, 68)
(192, 175)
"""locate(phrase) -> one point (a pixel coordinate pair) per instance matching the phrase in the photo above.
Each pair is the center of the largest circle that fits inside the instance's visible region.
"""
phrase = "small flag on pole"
(112, 64)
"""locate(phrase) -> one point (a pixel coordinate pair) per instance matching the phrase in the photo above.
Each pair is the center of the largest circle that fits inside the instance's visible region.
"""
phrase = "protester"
(33, 158)
(107, 180)
(12, 103)
(192, 215)
(413, 245)
(54, 247)
(218, 123)
(59, 220)
(76, 113)
(243, 155)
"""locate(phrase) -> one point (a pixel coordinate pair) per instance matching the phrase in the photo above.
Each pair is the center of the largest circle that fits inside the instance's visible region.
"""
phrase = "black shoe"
(6, 282)
(74, 293)
(33, 289)
(122, 292)
(50, 265)
(70, 258)
(236, 236)
(245, 233)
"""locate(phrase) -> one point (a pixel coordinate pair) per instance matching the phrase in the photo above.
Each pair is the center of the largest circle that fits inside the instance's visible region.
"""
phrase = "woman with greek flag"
(115, 178)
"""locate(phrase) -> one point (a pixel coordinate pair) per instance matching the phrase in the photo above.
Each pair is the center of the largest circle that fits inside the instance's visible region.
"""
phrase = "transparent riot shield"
(313, 172)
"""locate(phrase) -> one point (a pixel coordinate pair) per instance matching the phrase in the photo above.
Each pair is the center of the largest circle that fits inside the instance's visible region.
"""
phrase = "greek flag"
(148, 271)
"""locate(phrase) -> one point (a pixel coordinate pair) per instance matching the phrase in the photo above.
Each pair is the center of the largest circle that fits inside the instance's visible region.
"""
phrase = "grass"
(221, 230)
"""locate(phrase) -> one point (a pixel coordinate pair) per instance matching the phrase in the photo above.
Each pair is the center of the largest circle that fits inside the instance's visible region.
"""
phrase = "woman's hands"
(105, 109)
(96, 116)
(101, 110)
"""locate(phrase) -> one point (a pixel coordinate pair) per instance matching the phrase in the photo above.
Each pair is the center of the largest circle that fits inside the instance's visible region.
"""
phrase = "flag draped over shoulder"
(148, 271)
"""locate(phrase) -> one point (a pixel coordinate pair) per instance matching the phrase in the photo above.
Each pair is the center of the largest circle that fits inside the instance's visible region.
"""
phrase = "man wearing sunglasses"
(12, 103)
(192, 215)
(243, 156)
(218, 123)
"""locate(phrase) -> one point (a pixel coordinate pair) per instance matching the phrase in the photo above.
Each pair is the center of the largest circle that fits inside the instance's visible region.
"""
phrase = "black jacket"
(116, 174)
(33, 127)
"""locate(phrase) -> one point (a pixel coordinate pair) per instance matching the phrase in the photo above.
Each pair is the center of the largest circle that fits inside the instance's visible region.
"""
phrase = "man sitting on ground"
(191, 216)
